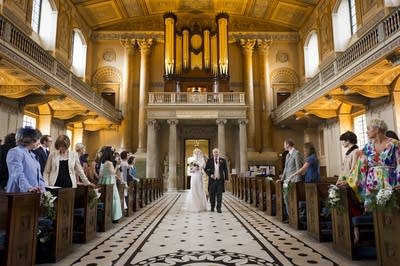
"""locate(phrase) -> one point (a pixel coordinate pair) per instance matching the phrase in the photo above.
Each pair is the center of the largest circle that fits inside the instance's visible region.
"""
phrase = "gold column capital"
(145, 45)
(247, 45)
(243, 121)
(221, 121)
(264, 45)
(128, 43)
(173, 121)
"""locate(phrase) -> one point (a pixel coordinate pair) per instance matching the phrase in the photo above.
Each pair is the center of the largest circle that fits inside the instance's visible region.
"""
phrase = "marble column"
(266, 95)
(127, 96)
(243, 145)
(247, 49)
(172, 180)
(221, 136)
(151, 148)
(145, 49)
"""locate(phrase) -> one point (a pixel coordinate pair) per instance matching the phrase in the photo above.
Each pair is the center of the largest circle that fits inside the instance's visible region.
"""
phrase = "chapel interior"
(159, 78)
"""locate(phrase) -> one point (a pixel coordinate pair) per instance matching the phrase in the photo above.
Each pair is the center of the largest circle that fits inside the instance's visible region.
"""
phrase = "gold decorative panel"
(161, 6)
(237, 7)
(101, 12)
(133, 8)
(290, 14)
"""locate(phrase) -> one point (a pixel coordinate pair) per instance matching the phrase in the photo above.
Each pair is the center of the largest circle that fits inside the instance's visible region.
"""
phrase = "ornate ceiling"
(245, 15)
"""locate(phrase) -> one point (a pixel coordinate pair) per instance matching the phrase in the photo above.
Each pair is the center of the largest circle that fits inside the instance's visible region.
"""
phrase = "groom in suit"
(293, 162)
(217, 171)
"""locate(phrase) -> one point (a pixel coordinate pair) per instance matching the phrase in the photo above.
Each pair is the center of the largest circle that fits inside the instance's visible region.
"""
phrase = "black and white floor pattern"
(166, 233)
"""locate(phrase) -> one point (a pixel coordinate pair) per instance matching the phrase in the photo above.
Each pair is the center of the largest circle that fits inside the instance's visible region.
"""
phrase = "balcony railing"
(196, 98)
(379, 41)
(21, 49)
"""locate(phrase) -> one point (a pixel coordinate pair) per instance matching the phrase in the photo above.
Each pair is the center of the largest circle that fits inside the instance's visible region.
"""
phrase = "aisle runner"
(168, 234)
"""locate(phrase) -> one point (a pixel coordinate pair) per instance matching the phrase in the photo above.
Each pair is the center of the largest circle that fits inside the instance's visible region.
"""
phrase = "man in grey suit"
(293, 162)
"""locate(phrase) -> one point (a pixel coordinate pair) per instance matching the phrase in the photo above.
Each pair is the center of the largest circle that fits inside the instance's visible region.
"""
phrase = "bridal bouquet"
(334, 200)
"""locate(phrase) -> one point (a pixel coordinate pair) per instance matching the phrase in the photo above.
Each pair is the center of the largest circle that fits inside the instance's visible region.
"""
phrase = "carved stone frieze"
(284, 75)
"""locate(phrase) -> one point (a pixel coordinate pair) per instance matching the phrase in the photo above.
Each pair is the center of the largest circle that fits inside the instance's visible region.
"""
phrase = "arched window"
(79, 54)
(44, 13)
(311, 55)
(344, 24)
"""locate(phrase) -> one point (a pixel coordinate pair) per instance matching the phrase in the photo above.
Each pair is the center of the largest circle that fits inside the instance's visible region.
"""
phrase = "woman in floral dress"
(378, 166)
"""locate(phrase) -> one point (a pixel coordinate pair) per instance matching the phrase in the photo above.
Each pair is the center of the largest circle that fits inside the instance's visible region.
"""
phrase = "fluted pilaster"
(266, 95)
(221, 136)
(243, 145)
(127, 99)
(145, 49)
(172, 180)
(247, 49)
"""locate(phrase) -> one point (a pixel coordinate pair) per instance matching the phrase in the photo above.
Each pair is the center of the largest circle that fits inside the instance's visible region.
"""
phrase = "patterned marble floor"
(166, 233)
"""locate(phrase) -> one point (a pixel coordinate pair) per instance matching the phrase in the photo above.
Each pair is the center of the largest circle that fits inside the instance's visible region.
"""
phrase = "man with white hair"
(217, 171)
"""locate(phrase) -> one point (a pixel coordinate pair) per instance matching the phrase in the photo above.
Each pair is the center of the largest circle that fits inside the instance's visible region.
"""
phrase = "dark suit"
(216, 186)
(41, 156)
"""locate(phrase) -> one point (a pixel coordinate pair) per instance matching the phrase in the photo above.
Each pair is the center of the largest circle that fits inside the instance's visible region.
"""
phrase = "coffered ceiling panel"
(285, 15)
(99, 13)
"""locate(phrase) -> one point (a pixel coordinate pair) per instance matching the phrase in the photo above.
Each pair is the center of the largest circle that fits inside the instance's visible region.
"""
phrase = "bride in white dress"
(197, 198)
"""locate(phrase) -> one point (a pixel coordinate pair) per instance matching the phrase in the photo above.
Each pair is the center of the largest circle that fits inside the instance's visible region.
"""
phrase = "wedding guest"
(63, 168)
(349, 141)
(80, 148)
(9, 143)
(378, 166)
(24, 174)
(293, 162)
(310, 168)
(43, 150)
(132, 169)
(108, 176)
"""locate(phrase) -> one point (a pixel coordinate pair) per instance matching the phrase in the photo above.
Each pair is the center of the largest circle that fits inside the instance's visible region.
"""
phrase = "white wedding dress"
(197, 201)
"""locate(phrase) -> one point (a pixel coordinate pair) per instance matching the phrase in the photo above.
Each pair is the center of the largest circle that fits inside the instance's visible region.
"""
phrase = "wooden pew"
(130, 199)
(234, 188)
(18, 226)
(343, 230)
(85, 215)
(247, 185)
(104, 208)
(280, 213)
(270, 197)
(296, 194)
(141, 192)
(240, 187)
(316, 195)
(60, 243)
(261, 192)
(387, 232)
(253, 191)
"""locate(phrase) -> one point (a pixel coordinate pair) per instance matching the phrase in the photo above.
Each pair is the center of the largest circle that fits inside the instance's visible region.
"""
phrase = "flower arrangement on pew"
(47, 202)
(45, 223)
(286, 186)
(94, 196)
(386, 200)
(334, 201)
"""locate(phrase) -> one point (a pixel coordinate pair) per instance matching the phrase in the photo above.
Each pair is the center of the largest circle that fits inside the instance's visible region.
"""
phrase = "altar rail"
(379, 41)
(196, 98)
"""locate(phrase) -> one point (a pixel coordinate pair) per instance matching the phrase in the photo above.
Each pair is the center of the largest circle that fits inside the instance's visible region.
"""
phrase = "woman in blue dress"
(310, 168)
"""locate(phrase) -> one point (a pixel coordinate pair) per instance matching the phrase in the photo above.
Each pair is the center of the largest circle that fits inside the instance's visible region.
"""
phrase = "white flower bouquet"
(47, 202)
(386, 200)
(334, 201)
